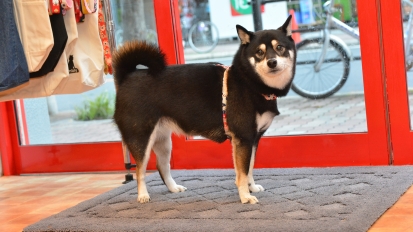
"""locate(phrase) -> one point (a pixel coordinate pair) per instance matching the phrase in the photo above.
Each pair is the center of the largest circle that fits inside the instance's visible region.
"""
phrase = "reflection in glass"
(134, 20)
(407, 14)
(328, 98)
(86, 117)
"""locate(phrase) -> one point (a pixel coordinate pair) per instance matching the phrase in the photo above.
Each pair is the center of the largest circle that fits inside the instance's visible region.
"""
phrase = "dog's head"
(271, 53)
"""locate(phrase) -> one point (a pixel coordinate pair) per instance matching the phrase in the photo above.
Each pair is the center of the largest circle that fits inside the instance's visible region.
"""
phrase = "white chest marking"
(264, 120)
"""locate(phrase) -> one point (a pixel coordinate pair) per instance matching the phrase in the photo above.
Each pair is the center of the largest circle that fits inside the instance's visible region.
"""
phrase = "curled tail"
(133, 53)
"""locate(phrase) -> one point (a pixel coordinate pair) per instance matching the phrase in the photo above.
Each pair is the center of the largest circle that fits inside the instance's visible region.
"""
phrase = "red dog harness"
(269, 97)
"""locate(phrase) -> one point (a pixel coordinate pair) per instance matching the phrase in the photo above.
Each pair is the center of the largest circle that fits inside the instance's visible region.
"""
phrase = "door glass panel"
(326, 99)
(407, 14)
(74, 118)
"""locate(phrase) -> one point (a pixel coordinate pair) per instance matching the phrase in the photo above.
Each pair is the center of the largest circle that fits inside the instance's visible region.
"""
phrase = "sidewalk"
(220, 51)
(337, 114)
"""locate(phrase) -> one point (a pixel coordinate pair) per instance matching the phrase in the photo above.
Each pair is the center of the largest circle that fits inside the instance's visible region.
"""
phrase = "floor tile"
(394, 222)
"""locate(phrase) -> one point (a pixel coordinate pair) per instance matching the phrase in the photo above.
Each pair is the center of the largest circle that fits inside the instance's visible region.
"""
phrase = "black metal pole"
(256, 14)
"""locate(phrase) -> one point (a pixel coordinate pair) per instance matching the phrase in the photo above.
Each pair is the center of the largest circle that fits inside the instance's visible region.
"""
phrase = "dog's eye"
(260, 52)
(280, 48)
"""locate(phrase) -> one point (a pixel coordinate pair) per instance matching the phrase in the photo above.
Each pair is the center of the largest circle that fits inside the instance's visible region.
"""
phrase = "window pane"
(326, 99)
(86, 117)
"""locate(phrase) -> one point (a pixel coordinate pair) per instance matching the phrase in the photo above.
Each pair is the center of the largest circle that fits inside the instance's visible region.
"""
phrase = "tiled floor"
(27, 199)
(399, 218)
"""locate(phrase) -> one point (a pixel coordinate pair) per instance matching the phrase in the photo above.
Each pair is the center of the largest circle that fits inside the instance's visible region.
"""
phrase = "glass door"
(347, 128)
(351, 127)
(76, 132)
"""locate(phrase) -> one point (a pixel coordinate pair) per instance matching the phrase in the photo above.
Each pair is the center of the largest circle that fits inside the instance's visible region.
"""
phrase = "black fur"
(126, 59)
(191, 95)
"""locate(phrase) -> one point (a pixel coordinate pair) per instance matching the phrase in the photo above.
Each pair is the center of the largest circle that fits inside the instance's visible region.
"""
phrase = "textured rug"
(300, 199)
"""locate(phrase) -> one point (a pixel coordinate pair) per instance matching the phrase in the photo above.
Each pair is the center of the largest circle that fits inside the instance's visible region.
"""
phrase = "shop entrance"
(361, 124)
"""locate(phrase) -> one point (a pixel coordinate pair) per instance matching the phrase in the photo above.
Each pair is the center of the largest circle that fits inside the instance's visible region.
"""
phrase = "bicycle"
(323, 63)
(203, 36)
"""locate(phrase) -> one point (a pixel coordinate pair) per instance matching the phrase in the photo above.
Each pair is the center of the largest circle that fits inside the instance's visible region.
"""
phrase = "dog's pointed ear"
(286, 27)
(244, 35)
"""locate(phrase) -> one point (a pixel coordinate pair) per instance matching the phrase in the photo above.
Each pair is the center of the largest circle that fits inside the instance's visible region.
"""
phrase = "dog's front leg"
(241, 152)
(251, 183)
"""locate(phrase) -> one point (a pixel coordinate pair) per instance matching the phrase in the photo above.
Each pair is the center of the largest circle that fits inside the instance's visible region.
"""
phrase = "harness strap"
(224, 99)
(269, 97)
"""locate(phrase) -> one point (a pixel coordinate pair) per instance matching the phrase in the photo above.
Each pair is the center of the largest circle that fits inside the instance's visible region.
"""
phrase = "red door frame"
(395, 72)
(370, 148)
(7, 140)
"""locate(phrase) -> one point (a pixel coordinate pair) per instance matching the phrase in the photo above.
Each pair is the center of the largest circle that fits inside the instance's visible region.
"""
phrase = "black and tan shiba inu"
(202, 99)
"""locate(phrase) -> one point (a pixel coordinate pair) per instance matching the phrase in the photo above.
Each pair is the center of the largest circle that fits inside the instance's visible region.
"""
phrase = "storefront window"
(209, 34)
(86, 117)
(326, 99)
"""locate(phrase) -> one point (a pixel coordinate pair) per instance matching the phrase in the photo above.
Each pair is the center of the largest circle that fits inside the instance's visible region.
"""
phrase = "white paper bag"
(33, 24)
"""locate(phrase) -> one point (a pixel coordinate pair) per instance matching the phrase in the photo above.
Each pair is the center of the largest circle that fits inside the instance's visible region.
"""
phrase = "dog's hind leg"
(162, 148)
(141, 152)
(251, 183)
(143, 195)
(241, 152)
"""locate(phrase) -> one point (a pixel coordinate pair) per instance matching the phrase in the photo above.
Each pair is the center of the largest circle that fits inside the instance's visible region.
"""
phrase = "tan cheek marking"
(261, 67)
(274, 44)
(252, 61)
(291, 54)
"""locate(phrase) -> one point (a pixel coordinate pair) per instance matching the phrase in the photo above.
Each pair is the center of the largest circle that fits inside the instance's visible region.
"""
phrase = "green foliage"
(102, 107)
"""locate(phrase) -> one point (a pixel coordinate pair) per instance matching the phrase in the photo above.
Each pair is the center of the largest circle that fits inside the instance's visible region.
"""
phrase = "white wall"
(273, 17)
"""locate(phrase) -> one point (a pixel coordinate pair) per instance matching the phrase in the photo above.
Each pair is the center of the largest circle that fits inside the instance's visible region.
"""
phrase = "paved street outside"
(336, 114)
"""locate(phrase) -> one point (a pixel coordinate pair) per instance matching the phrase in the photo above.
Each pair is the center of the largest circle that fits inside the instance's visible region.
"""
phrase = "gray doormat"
(299, 199)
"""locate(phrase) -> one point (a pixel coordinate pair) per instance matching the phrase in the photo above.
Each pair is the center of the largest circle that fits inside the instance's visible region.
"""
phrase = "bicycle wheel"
(333, 72)
(203, 36)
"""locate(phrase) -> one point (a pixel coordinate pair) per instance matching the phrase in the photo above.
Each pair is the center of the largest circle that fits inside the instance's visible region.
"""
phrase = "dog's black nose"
(272, 63)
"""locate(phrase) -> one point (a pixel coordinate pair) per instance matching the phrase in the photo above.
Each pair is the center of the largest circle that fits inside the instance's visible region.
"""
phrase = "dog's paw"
(177, 189)
(144, 198)
(249, 199)
(254, 188)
